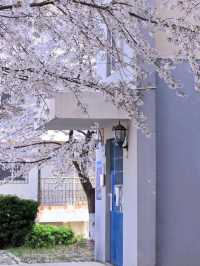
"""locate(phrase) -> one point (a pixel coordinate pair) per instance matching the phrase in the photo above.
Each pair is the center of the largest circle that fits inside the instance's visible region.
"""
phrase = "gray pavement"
(6, 258)
(62, 264)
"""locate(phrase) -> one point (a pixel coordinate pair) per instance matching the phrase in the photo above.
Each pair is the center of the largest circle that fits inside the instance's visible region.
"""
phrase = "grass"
(26, 251)
(54, 254)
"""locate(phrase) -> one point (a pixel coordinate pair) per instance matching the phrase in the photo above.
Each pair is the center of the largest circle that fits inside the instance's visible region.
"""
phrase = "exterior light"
(120, 134)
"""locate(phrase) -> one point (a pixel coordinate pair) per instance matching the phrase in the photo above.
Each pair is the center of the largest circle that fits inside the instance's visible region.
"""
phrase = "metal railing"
(68, 191)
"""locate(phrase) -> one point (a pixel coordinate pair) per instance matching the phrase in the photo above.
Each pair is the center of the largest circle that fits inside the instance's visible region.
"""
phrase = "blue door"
(116, 213)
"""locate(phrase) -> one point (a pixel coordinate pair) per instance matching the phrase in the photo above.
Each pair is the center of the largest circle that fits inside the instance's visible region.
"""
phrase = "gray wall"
(146, 187)
(178, 174)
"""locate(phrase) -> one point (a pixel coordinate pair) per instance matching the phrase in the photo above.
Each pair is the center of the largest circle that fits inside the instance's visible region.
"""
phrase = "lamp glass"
(120, 134)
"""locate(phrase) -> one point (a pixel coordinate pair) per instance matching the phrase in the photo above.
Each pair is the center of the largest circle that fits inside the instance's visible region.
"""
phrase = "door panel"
(116, 212)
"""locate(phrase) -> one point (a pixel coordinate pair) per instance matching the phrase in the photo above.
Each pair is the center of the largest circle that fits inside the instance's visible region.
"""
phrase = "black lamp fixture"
(120, 134)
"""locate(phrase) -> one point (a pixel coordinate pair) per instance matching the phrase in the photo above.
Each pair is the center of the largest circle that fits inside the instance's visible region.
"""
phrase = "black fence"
(67, 191)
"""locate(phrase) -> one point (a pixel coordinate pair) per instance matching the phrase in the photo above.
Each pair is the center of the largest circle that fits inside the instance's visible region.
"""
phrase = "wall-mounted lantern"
(120, 134)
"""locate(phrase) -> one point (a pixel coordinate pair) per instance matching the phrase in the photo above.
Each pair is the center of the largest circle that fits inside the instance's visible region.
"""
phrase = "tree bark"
(90, 194)
(87, 187)
(91, 200)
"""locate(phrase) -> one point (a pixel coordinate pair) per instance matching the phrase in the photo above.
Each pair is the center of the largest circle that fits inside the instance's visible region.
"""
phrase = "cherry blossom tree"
(77, 151)
(52, 46)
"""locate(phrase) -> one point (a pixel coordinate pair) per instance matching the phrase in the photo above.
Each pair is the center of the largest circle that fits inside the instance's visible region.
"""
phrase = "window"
(111, 63)
(6, 175)
(115, 57)
(5, 98)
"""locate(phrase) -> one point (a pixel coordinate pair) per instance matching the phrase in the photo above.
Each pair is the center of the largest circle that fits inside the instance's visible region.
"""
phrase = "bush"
(17, 217)
(43, 235)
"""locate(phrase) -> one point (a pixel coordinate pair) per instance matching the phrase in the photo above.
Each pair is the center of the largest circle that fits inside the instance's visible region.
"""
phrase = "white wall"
(46, 171)
(25, 191)
(100, 217)
(130, 202)
(65, 108)
(139, 192)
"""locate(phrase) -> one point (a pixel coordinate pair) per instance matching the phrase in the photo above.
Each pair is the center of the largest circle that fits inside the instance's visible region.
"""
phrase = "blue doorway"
(116, 211)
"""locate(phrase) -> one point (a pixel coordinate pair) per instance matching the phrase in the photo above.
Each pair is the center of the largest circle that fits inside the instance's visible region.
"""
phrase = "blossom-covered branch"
(51, 46)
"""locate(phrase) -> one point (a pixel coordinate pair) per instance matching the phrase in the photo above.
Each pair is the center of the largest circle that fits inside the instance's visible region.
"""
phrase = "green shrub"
(17, 217)
(43, 235)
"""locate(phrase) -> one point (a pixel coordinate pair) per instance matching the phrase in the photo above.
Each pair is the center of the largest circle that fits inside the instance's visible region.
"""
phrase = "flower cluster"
(50, 46)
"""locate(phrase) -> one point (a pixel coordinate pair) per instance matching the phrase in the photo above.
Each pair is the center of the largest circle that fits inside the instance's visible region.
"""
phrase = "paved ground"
(7, 259)
(64, 264)
(83, 251)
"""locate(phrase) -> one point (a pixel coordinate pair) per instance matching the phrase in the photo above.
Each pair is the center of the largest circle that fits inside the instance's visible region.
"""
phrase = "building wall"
(178, 173)
(130, 201)
(146, 186)
(165, 48)
(94, 102)
(75, 218)
(100, 216)
(140, 192)
(25, 191)
(59, 207)
(139, 205)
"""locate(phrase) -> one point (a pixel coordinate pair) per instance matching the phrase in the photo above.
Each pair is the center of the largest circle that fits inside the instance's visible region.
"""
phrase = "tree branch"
(26, 162)
(107, 7)
(39, 4)
(38, 143)
(34, 144)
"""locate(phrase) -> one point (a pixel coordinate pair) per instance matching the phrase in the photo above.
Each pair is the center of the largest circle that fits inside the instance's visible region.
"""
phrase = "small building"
(63, 202)
(60, 203)
(146, 196)
(23, 187)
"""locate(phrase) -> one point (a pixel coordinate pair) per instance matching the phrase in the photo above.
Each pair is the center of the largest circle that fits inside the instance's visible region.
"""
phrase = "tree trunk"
(91, 200)
(90, 194)
(91, 209)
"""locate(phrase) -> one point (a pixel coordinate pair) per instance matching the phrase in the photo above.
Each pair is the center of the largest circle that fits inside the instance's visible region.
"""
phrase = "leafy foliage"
(48, 236)
(17, 217)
